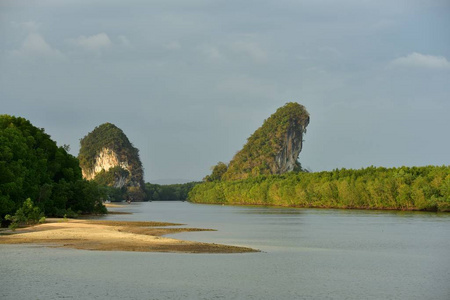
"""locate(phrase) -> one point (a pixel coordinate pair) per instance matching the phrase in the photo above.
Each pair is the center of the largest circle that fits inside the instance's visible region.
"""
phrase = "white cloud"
(93, 42)
(422, 61)
(250, 49)
(35, 45)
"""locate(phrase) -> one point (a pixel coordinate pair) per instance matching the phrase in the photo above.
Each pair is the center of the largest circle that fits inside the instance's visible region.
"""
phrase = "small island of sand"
(113, 236)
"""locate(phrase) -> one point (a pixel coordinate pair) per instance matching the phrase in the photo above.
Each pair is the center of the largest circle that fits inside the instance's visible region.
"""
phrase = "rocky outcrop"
(107, 156)
(274, 147)
(286, 159)
(105, 160)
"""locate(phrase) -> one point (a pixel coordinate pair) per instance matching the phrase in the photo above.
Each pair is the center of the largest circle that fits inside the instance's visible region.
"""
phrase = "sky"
(189, 81)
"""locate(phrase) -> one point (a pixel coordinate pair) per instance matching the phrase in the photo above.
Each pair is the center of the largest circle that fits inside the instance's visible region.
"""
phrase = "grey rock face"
(286, 159)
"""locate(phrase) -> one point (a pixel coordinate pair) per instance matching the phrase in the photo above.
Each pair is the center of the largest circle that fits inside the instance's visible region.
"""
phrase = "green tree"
(33, 166)
(217, 172)
(27, 214)
(406, 188)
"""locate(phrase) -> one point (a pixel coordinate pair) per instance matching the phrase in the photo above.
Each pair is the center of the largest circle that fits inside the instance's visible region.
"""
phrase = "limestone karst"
(107, 155)
(274, 147)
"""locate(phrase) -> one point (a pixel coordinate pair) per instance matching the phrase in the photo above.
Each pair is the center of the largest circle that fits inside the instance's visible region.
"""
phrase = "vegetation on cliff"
(267, 148)
(108, 136)
(217, 172)
(406, 188)
(33, 166)
(111, 176)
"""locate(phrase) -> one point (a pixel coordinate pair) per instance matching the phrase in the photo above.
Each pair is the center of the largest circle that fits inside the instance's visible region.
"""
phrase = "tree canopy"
(217, 172)
(405, 188)
(33, 166)
(156, 192)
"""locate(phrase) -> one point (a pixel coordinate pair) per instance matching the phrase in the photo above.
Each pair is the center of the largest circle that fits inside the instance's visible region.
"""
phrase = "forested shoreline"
(405, 188)
(39, 178)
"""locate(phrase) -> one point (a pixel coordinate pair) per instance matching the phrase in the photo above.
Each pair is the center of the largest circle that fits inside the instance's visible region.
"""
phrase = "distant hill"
(107, 156)
(273, 148)
(168, 181)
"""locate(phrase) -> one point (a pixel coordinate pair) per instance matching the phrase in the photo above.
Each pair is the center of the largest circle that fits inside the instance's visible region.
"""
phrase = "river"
(306, 254)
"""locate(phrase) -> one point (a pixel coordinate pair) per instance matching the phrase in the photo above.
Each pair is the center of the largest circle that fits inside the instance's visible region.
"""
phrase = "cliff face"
(107, 156)
(286, 159)
(274, 147)
(105, 160)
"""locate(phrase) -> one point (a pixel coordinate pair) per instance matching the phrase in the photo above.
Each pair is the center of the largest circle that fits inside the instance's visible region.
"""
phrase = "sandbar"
(105, 235)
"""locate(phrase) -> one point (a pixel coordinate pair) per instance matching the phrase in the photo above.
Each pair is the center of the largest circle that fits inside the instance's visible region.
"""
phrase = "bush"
(28, 214)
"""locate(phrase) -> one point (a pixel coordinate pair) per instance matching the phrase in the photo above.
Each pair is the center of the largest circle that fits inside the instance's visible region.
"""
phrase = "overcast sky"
(189, 81)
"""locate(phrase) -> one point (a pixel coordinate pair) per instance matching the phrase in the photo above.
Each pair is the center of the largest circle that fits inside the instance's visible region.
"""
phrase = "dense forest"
(156, 192)
(33, 166)
(405, 188)
(153, 192)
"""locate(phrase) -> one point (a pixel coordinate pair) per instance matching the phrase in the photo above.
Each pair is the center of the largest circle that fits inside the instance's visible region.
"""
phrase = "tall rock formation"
(107, 156)
(274, 147)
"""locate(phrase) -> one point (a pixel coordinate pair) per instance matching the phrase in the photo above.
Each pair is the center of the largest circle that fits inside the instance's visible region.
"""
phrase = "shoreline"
(102, 235)
(362, 208)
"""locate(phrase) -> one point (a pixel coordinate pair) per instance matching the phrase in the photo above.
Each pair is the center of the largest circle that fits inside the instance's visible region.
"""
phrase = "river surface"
(306, 254)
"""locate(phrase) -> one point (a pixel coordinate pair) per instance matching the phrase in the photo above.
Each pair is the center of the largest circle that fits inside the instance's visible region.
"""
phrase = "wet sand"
(113, 236)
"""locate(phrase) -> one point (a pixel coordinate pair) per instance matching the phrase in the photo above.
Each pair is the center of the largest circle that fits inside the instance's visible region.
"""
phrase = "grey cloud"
(418, 60)
(189, 81)
(94, 42)
(34, 45)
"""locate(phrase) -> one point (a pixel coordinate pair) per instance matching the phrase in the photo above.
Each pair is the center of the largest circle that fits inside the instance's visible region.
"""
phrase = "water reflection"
(307, 254)
(272, 211)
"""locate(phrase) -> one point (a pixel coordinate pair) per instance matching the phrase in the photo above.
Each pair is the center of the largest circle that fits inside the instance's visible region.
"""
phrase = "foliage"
(109, 136)
(168, 192)
(217, 172)
(109, 182)
(114, 194)
(405, 188)
(110, 177)
(26, 215)
(258, 156)
(33, 166)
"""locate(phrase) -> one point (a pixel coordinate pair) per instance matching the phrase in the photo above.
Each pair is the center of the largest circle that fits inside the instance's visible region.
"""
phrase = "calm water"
(307, 254)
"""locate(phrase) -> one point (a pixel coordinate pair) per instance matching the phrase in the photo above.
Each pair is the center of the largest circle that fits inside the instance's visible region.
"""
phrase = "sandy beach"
(113, 236)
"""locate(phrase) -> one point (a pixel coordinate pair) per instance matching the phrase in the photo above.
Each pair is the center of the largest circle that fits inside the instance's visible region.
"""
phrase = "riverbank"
(405, 189)
(113, 236)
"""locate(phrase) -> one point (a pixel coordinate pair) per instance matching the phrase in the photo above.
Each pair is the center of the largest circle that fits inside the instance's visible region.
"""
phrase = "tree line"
(157, 192)
(153, 192)
(406, 188)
